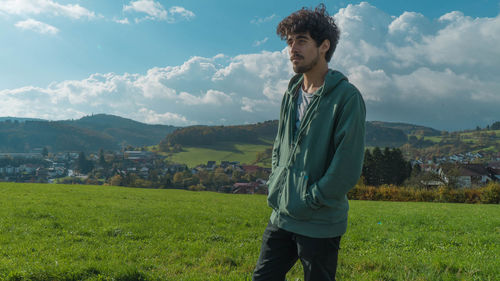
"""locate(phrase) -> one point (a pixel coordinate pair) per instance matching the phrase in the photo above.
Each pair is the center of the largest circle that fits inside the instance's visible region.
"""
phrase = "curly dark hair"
(317, 22)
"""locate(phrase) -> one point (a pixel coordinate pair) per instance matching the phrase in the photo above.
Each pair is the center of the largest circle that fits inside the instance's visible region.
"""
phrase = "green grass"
(64, 232)
(435, 139)
(244, 153)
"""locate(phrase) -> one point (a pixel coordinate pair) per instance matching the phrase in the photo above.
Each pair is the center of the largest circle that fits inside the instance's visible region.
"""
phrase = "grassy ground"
(244, 153)
(63, 232)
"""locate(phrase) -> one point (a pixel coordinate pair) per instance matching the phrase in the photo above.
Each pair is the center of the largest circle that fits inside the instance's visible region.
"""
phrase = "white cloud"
(186, 14)
(260, 42)
(121, 21)
(37, 26)
(258, 20)
(211, 97)
(191, 93)
(438, 72)
(152, 117)
(155, 11)
(253, 105)
(36, 7)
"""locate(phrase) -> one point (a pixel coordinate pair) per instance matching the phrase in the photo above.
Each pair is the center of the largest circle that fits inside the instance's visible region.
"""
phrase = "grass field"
(64, 232)
(244, 153)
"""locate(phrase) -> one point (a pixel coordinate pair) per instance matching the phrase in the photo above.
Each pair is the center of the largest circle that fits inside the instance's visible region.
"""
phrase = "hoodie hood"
(332, 79)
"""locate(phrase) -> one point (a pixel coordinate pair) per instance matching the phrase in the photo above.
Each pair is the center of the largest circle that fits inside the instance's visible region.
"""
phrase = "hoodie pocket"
(293, 200)
(274, 186)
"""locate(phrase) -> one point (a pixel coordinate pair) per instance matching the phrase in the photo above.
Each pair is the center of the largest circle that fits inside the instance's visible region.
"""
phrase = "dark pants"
(281, 249)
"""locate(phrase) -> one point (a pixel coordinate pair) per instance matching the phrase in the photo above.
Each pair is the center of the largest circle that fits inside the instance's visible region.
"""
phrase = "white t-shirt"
(303, 101)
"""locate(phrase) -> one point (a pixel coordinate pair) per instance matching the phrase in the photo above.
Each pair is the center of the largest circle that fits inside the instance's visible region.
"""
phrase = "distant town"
(148, 169)
(110, 150)
(131, 168)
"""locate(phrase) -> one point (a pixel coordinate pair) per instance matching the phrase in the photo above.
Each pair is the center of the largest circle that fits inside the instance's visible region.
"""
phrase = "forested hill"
(88, 134)
(124, 131)
(207, 135)
(408, 129)
(109, 132)
(377, 134)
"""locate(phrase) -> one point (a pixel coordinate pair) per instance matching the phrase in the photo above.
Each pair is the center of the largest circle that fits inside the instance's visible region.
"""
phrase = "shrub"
(443, 194)
(424, 195)
(198, 187)
(491, 193)
(472, 195)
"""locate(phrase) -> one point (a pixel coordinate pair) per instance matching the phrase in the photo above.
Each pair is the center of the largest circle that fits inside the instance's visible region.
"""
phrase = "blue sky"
(220, 62)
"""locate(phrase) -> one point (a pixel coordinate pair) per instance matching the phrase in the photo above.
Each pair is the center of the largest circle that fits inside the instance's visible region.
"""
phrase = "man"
(317, 155)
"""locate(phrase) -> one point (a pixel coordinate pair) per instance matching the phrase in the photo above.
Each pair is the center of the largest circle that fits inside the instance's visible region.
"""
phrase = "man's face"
(304, 54)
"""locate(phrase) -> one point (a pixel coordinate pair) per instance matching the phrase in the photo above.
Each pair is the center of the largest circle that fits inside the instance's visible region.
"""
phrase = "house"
(229, 164)
(494, 165)
(174, 168)
(432, 184)
(144, 172)
(251, 168)
(431, 168)
(137, 155)
(467, 175)
(28, 168)
(495, 173)
(210, 165)
(244, 187)
(494, 169)
(42, 173)
(14, 155)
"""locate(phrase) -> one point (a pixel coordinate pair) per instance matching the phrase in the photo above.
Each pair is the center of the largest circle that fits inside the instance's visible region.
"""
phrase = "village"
(151, 170)
(131, 168)
(467, 170)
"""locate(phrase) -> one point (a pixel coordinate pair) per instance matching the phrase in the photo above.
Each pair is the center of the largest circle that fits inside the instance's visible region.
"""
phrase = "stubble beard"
(306, 68)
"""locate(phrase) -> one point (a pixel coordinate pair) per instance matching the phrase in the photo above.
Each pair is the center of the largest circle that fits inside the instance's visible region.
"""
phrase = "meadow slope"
(64, 232)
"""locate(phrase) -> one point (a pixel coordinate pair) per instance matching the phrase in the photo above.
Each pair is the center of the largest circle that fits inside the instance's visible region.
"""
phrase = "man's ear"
(325, 46)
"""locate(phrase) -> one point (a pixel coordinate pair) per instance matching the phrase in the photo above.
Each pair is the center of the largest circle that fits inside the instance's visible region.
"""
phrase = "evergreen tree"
(368, 171)
(378, 159)
(84, 165)
(102, 160)
(387, 167)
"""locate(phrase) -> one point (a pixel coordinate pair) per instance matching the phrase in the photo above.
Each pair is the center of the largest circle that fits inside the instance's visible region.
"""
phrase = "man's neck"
(314, 78)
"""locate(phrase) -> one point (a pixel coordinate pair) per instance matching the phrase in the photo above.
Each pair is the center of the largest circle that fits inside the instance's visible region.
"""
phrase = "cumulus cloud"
(211, 97)
(152, 117)
(182, 12)
(260, 42)
(37, 7)
(258, 20)
(37, 26)
(155, 11)
(121, 21)
(438, 72)
(200, 91)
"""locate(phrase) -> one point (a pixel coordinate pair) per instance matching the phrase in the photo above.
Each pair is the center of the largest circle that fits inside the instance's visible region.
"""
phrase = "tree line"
(207, 135)
(386, 166)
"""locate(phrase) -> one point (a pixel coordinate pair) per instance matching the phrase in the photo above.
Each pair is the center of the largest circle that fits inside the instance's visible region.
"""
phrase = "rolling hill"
(378, 133)
(89, 133)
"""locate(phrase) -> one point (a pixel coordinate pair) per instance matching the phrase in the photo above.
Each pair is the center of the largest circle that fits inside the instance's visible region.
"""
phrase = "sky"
(220, 62)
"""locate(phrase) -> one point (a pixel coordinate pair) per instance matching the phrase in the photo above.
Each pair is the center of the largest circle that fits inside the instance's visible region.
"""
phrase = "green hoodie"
(314, 167)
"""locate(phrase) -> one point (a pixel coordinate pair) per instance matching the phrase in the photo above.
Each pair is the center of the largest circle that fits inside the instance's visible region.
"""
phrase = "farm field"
(468, 137)
(72, 232)
(244, 153)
